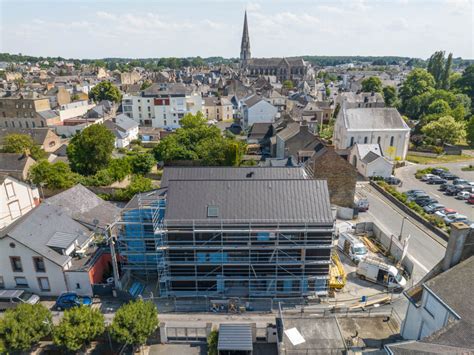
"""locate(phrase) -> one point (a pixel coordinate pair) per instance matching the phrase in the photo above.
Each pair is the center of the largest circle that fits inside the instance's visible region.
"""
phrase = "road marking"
(438, 196)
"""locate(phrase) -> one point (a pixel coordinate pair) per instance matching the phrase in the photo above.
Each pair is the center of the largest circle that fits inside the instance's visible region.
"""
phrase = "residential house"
(16, 165)
(257, 232)
(53, 248)
(277, 100)
(383, 126)
(29, 110)
(124, 129)
(341, 176)
(260, 133)
(360, 100)
(162, 105)
(16, 199)
(218, 108)
(255, 109)
(369, 161)
(45, 138)
(439, 317)
(295, 140)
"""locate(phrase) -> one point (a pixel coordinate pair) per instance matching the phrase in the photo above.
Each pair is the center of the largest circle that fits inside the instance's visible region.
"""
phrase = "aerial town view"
(232, 177)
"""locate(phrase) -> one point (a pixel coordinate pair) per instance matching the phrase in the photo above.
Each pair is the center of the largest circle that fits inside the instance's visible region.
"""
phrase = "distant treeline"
(125, 64)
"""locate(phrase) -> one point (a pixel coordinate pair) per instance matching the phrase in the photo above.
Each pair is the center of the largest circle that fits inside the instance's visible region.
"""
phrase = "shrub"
(212, 341)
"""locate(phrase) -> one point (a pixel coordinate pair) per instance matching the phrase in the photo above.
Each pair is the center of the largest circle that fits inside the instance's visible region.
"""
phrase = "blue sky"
(137, 29)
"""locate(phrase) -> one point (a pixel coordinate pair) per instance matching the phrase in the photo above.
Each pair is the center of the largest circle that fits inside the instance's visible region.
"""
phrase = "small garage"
(235, 339)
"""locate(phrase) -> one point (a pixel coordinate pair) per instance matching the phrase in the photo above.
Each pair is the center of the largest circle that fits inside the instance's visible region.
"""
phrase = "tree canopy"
(78, 327)
(24, 325)
(466, 82)
(390, 96)
(444, 130)
(134, 322)
(142, 163)
(22, 144)
(91, 149)
(105, 90)
(372, 84)
(196, 140)
(440, 69)
(56, 175)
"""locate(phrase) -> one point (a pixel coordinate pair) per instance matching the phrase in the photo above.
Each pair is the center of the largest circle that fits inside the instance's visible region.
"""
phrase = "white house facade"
(16, 199)
(369, 160)
(383, 126)
(255, 109)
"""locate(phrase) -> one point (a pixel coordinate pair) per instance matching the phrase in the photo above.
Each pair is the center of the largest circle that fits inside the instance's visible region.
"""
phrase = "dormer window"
(212, 211)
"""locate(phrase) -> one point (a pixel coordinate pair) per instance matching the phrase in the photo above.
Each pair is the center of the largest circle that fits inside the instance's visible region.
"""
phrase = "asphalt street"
(407, 175)
(424, 247)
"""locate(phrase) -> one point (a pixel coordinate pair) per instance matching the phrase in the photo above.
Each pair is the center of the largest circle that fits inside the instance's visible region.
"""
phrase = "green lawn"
(437, 160)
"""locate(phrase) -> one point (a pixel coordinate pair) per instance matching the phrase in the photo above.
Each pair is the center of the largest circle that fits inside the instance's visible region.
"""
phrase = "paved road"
(407, 175)
(425, 248)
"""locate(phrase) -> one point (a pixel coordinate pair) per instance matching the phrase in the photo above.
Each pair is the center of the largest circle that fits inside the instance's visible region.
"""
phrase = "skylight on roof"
(212, 211)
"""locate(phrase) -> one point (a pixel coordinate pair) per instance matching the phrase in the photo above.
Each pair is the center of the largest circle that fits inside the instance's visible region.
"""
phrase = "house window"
(378, 139)
(10, 190)
(14, 208)
(21, 282)
(352, 142)
(39, 264)
(33, 124)
(212, 211)
(27, 125)
(392, 138)
(78, 286)
(42, 123)
(16, 264)
(164, 122)
(2, 282)
(43, 283)
(365, 140)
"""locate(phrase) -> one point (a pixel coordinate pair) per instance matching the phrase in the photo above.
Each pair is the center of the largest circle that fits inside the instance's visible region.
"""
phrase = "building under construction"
(230, 232)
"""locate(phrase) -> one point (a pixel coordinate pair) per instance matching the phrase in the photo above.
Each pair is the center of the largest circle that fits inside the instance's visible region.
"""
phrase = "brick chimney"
(456, 244)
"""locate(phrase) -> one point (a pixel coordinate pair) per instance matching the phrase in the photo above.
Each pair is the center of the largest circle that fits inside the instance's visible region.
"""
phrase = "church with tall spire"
(245, 45)
(295, 69)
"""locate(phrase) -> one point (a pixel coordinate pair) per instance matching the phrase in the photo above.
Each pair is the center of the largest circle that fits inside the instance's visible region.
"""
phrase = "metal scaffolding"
(222, 258)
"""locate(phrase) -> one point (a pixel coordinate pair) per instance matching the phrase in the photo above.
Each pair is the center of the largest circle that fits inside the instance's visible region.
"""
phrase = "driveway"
(407, 175)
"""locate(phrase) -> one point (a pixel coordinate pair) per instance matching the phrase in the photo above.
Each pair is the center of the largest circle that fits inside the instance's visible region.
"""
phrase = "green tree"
(78, 327)
(288, 84)
(440, 69)
(212, 342)
(466, 83)
(52, 175)
(137, 185)
(372, 84)
(439, 107)
(134, 322)
(119, 168)
(418, 82)
(470, 131)
(17, 143)
(90, 150)
(146, 84)
(444, 130)
(142, 163)
(105, 90)
(390, 96)
(24, 326)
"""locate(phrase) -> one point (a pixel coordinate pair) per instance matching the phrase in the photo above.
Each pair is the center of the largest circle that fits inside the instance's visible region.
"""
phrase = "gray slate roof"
(230, 173)
(37, 134)
(236, 337)
(373, 118)
(85, 206)
(13, 162)
(290, 201)
(370, 157)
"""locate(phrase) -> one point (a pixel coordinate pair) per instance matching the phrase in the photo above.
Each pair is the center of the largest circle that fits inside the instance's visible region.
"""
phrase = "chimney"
(456, 242)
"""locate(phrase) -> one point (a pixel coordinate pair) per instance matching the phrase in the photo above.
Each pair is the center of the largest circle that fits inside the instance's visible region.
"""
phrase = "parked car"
(12, 298)
(362, 205)
(463, 195)
(433, 207)
(350, 245)
(443, 187)
(392, 180)
(454, 218)
(414, 196)
(438, 171)
(451, 190)
(436, 180)
(426, 202)
(426, 177)
(377, 271)
(460, 182)
(445, 212)
(71, 299)
(448, 176)
(470, 200)
(413, 192)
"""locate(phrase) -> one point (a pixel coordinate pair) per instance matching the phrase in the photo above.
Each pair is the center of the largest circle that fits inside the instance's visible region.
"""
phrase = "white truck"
(377, 271)
(352, 247)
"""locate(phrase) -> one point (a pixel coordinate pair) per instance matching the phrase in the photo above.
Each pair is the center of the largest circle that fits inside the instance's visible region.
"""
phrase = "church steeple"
(245, 45)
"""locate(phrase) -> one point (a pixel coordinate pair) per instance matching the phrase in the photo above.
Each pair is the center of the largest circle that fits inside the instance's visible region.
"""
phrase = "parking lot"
(407, 175)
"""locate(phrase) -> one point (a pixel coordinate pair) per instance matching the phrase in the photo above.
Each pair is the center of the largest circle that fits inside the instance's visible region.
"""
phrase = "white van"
(352, 247)
(377, 271)
(12, 298)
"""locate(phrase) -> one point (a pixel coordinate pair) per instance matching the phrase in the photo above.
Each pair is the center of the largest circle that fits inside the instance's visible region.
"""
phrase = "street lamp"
(401, 229)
